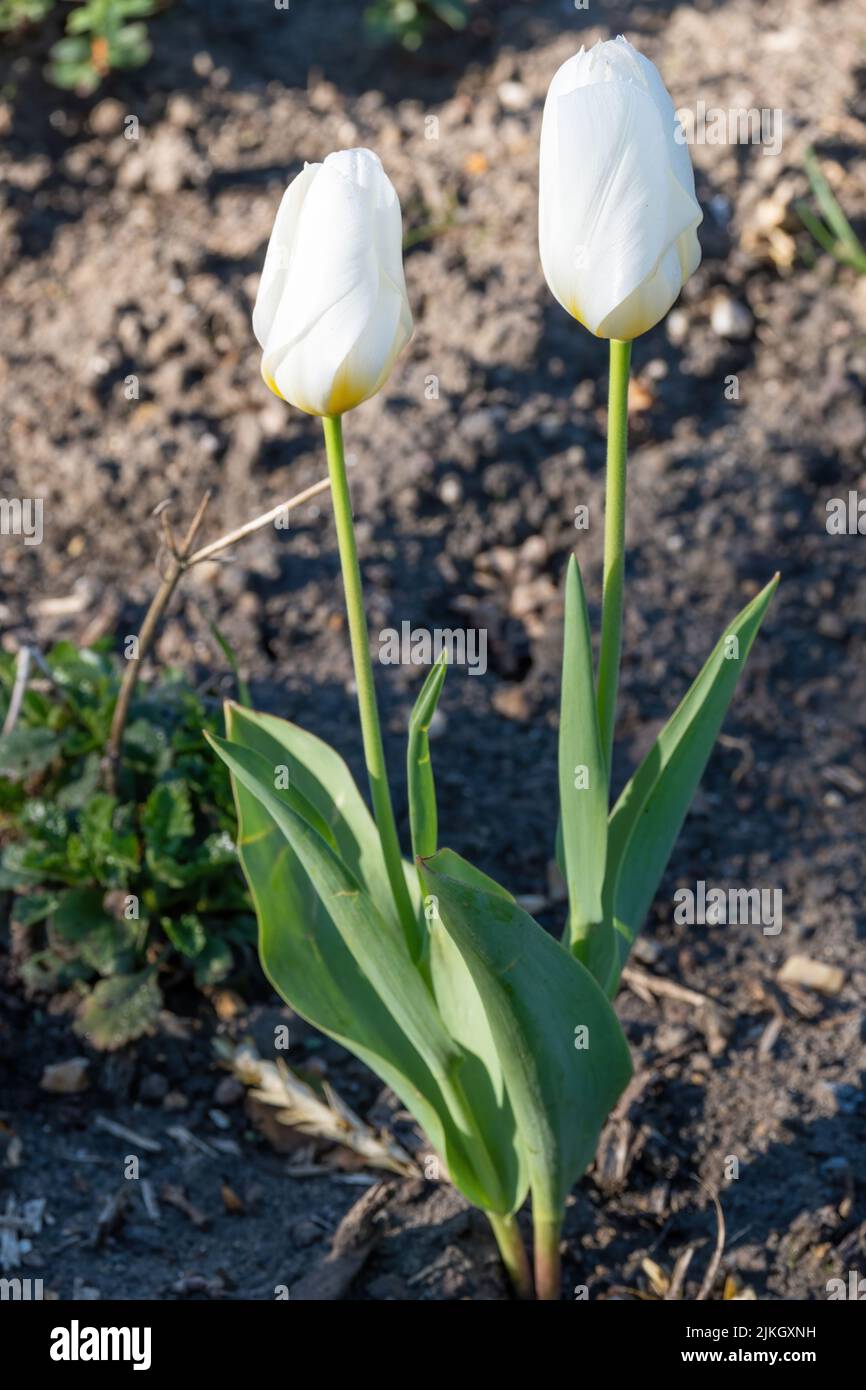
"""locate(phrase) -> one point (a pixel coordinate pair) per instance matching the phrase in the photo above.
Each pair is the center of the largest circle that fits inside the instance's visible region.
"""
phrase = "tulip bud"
(618, 216)
(332, 311)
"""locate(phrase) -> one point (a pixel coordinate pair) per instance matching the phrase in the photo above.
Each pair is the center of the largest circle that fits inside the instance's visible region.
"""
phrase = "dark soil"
(140, 258)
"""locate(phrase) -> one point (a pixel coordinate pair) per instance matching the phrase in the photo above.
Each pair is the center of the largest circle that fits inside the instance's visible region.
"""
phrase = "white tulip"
(332, 311)
(618, 216)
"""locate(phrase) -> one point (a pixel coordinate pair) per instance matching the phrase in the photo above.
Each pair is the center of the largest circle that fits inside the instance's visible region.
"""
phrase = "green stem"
(513, 1252)
(614, 545)
(371, 732)
(548, 1265)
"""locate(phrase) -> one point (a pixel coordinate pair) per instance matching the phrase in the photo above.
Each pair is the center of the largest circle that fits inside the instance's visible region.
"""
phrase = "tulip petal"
(342, 314)
(617, 211)
(611, 209)
(650, 301)
(276, 267)
(677, 146)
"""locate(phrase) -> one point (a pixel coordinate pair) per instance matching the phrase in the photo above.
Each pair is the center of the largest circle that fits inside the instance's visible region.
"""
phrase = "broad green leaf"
(101, 941)
(109, 948)
(647, 818)
(168, 823)
(119, 1010)
(146, 748)
(103, 846)
(539, 999)
(79, 912)
(322, 777)
(26, 751)
(31, 908)
(186, 933)
(44, 972)
(344, 965)
(583, 781)
(447, 862)
(17, 869)
(213, 963)
(75, 795)
(167, 816)
(462, 1011)
(421, 786)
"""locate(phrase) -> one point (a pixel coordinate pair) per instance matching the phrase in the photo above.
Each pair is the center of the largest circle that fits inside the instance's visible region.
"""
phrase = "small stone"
(513, 96)
(499, 561)
(450, 491)
(231, 1201)
(477, 426)
(154, 1088)
(324, 96)
(846, 779)
(132, 172)
(532, 596)
(835, 1167)
(832, 625)
(175, 1100)
(181, 111)
(533, 553)
(812, 974)
(168, 162)
(511, 702)
(66, 1078)
(106, 118)
(677, 327)
(670, 1036)
(229, 1091)
(227, 1004)
(647, 950)
(640, 398)
(731, 319)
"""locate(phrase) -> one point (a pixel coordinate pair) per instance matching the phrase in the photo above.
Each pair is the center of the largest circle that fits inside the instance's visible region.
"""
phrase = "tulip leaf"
(314, 769)
(648, 816)
(563, 1054)
(422, 788)
(454, 989)
(462, 1011)
(346, 968)
(583, 783)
